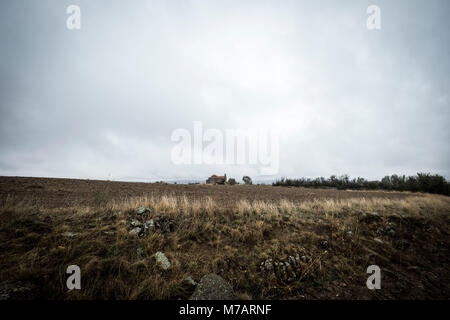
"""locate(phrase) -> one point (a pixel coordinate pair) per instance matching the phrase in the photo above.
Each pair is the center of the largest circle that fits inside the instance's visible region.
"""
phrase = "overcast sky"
(103, 101)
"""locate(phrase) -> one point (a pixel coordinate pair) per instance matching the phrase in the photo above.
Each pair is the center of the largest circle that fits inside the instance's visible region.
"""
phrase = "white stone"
(162, 260)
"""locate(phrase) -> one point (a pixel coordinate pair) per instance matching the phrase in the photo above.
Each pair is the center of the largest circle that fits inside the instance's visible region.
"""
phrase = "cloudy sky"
(103, 101)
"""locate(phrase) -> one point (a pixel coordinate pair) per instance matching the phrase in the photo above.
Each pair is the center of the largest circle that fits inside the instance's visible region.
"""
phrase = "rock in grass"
(292, 261)
(149, 224)
(213, 287)
(267, 265)
(69, 234)
(136, 223)
(136, 231)
(190, 281)
(142, 210)
(162, 260)
(140, 252)
(378, 240)
(413, 268)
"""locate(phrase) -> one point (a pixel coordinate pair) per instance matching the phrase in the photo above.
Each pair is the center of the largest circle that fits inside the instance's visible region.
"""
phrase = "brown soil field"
(52, 192)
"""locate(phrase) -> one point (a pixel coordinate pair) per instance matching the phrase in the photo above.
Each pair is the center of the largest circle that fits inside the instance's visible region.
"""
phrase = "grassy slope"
(335, 239)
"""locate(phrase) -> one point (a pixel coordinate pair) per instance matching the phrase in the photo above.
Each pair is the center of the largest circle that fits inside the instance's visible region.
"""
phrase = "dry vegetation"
(334, 237)
(58, 193)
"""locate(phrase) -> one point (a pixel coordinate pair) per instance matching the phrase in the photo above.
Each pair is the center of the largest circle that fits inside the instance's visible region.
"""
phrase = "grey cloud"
(105, 99)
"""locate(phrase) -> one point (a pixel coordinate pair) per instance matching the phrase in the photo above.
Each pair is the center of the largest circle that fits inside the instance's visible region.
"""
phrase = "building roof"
(220, 177)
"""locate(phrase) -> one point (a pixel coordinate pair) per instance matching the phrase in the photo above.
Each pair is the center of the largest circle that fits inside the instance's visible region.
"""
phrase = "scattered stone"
(163, 223)
(350, 233)
(108, 232)
(390, 225)
(142, 210)
(149, 224)
(136, 223)
(413, 268)
(136, 231)
(378, 240)
(376, 214)
(267, 265)
(286, 270)
(190, 281)
(69, 234)
(292, 260)
(213, 287)
(162, 260)
(140, 252)
(292, 277)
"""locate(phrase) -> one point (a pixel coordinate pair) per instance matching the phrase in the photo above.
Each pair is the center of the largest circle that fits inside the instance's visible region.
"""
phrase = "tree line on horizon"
(422, 182)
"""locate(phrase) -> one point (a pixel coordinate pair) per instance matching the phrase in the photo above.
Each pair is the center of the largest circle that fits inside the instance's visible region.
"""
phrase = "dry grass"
(335, 237)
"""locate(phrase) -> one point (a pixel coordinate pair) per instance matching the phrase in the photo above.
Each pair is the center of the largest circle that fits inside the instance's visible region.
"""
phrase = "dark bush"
(422, 182)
